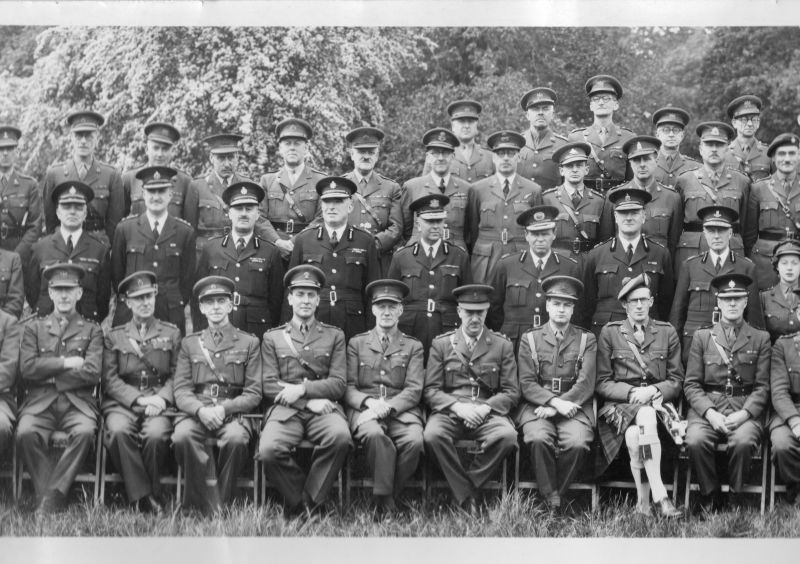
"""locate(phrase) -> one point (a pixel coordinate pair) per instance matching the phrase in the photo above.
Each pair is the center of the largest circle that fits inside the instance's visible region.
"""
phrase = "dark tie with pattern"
(559, 336)
(303, 329)
(442, 186)
(629, 254)
(240, 245)
(3, 181)
(717, 264)
(638, 334)
(82, 171)
(334, 238)
(70, 246)
(576, 199)
(155, 230)
(384, 342)
(505, 188)
(217, 336)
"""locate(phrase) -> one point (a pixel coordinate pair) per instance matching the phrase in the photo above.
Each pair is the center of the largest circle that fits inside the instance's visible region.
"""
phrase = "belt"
(334, 296)
(475, 392)
(208, 233)
(143, 381)
(7, 231)
(240, 299)
(431, 306)
(94, 225)
(770, 236)
(697, 227)
(214, 391)
(558, 385)
(576, 245)
(603, 184)
(504, 236)
(290, 226)
(734, 391)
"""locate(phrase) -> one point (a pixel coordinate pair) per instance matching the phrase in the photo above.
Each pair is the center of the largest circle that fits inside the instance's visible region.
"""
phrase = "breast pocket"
(210, 215)
(218, 267)
(454, 375)
(659, 220)
(590, 224)
(517, 291)
(490, 376)
(625, 367)
(606, 277)
(380, 207)
(700, 298)
(135, 257)
(746, 366)
(235, 364)
(693, 201)
(200, 370)
(355, 271)
(173, 261)
(769, 216)
(488, 216)
(77, 346)
(412, 278)
(731, 198)
(90, 269)
(5, 280)
(100, 201)
(657, 363)
(312, 259)
(258, 278)
(450, 279)
(520, 207)
(456, 210)
(398, 363)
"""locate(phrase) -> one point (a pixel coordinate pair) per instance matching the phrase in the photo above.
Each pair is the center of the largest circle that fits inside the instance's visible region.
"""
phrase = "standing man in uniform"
(203, 208)
(536, 157)
(495, 204)
(346, 254)
(773, 209)
(159, 242)
(385, 377)
(376, 201)
(253, 263)
(160, 149)
(517, 299)
(305, 376)
(10, 339)
(727, 387)
(607, 162)
(432, 269)
(694, 305)
(291, 202)
(713, 184)
(439, 144)
(556, 376)
(664, 213)
(110, 203)
(471, 162)
(671, 125)
(579, 207)
(61, 361)
(139, 360)
(747, 153)
(471, 387)
(72, 243)
(217, 379)
(21, 211)
(626, 255)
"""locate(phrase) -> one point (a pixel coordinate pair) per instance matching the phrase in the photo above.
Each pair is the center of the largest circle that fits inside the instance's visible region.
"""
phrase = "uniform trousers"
(209, 482)
(742, 444)
(558, 448)
(279, 439)
(138, 447)
(786, 454)
(33, 441)
(497, 437)
(393, 449)
(347, 315)
(6, 426)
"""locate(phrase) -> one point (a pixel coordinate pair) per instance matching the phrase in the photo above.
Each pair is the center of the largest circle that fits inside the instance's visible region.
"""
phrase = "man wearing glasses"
(671, 125)
(536, 160)
(747, 153)
(607, 161)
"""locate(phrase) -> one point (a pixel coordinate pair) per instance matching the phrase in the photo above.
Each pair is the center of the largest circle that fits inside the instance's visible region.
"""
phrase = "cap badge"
(731, 284)
(602, 84)
(627, 197)
(306, 275)
(671, 116)
(717, 214)
(748, 105)
(72, 191)
(538, 216)
(140, 282)
(434, 203)
(156, 176)
(243, 190)
(639, 146)
(573, 151)
(333, 184)
(5, 134)
(442, 136)
(714, 131)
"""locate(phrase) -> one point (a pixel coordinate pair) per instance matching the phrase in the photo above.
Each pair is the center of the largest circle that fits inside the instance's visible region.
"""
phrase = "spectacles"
(670, 129)
(574, 165)
(750, 119)
(602, 98)
(639, 301)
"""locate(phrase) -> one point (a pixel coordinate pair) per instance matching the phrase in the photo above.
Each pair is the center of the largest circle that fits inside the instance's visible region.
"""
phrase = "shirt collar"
(713, 255)
(75, 235)
(543, 259)
(151, 219)
(339, 232)
(501, 179)
(235, 236)
(476, 339)
(295, 325)
(438, 179)
(634, 244)
(435, 246)
(359, 178)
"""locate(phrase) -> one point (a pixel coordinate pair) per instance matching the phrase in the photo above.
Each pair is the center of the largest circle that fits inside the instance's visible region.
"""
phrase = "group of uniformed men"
(463, 291)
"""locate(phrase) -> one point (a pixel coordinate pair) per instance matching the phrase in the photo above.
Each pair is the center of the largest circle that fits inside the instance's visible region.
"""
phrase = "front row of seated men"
(327, 394)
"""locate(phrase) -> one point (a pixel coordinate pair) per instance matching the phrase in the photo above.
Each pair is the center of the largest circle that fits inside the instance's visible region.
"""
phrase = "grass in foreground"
(515, 516)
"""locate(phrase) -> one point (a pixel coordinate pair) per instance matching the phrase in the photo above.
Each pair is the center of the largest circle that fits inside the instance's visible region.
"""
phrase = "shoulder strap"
(581, 351)
(534, 355)
(466, 364)
(210, 362)
(634, 350)
(140, 355)
(290, 200)
(593, 154)
(363, 201)
(573, 217)
(303, 362)
(787, 211)
(725, 358)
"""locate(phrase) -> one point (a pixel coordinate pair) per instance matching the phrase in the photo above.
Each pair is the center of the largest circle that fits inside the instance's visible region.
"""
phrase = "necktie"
(629, 254)
(142, 329)
(505, 188)
(714, 179)
(334, 238)
(786, 187)
(442, 187)
(363, 181)
(217, 336)
(384, 342)
(537, 266)
(226, 181)
(638, 334)
(717, 264)
(155, 230)
(559, 335)
(470, 344)
(82, 170)
(670, 161)
(303, 329)
(240, 245)
(603, 134)
(576, 198)
(70, 246)
(3, 181)
(430, 253)
(730, 334)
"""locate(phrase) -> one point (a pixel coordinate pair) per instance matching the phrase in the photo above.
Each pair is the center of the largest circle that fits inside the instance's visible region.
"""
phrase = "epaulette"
(615, 323)
(25, 176)
(522, 255)
(596, 193)
(693, 257)
(577, 129)
(328, 325)
(665, 187)
(499, 334)
(279, 328)
(559, 136)
(550, 190)
(195, 334)
(565, 257)
(609, 240)
(654, 242)
(181, 220)
(364, 334)
(688, 158)
(318, 171)
(101, 164)
(92, 235)
(117, 328)
(795, 336)
(410, 337)
(761, 143)
(201, 177)
(735, 170)
(25, 319)
(623, 128)
(385, 177)
(690, 171)
(661, 323)
(446, 334)
(167, 323)
(409, 247)
(357, 228)
(129, 217)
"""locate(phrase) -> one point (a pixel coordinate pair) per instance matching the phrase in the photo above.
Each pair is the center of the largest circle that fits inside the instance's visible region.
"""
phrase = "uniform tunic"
(575, 240)
(558, 445)
(58, 398)
(10, 338)
(778, 310)
(536, 159)
(325, 377)
(20, 214)
(12, 291)
(279, 219)
(492, 229)
(430, 308)
(706, 376)
(754, 163)
(456, 189)
(237, 368)
(488, 377)
(133, 189)
(480, 165)
(608, 163)
(170, 257)
(204, 209)
(667, 173)
(126, 377)
(785, 393)
(393, 445)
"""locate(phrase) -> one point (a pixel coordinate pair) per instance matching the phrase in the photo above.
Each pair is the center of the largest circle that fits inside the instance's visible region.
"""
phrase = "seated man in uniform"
(638, 368)
(10, 337)
(61, 359)
(556, 376)
(471, 387)
(218, 377)
(139, 360)
(306, 388)
(727, 386)
(384, 388)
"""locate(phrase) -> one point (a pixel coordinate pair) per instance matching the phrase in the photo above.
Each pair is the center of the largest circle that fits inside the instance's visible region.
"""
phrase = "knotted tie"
(240, 245)
(714, 179)
(559, 335)
(470, 344)
(82, 171)
(384, 342)
(638, 334)
(537, 266)
(629, 254)
(603, 134)
(142, 330)
(576, 199)
(303, 329)
(505, 188)
(155, 230)
(70, 246)
(442, 187)
(217, 337)
(334, 238)
(717, 264)
(3, 181)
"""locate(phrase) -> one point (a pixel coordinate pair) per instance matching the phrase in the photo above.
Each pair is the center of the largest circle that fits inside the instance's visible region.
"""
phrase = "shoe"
(470, 507)
(294, 511)
(666, 509)
(52, 502)
(553, 502)
(149, 504)
(643, 509)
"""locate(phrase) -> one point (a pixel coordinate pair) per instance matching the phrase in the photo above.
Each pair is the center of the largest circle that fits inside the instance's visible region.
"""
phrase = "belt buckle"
(729, 389)
(504, 236)
(290, 226)
(4, 231)
(431, 306)
(555, 386)
(537, 320)
(446, 233)
(332, 297)
(576, 246)
(382, 391)
(715, 317)
(214, 391)
(474, 391)
(237, 298)
(144, 382)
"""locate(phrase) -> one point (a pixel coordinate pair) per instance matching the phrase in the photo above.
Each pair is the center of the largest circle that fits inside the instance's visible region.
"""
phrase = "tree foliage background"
(212, 79)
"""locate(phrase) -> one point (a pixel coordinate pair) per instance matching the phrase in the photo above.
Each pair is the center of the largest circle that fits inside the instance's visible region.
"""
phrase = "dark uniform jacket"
(517, 300)
(480, 165)
(41, 359)
(489, 375)
(92, 253)
(275, 209)
(237, 364)
(257, 273)
(779, 317)
(608, 163)
(536, 159)
(12, 289)
(126, 376)
(785, 381)
(570, 239)
(107, 208)
(133, 190)
(756, 164)
(171, 257)
(323, 352)
(10, 339)
(750, 356)
(20, 214)
(606, 266)
(398, 371)
(663, 215)
(456, 189)
(204, 208)
(667, 174)
(574, 374)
